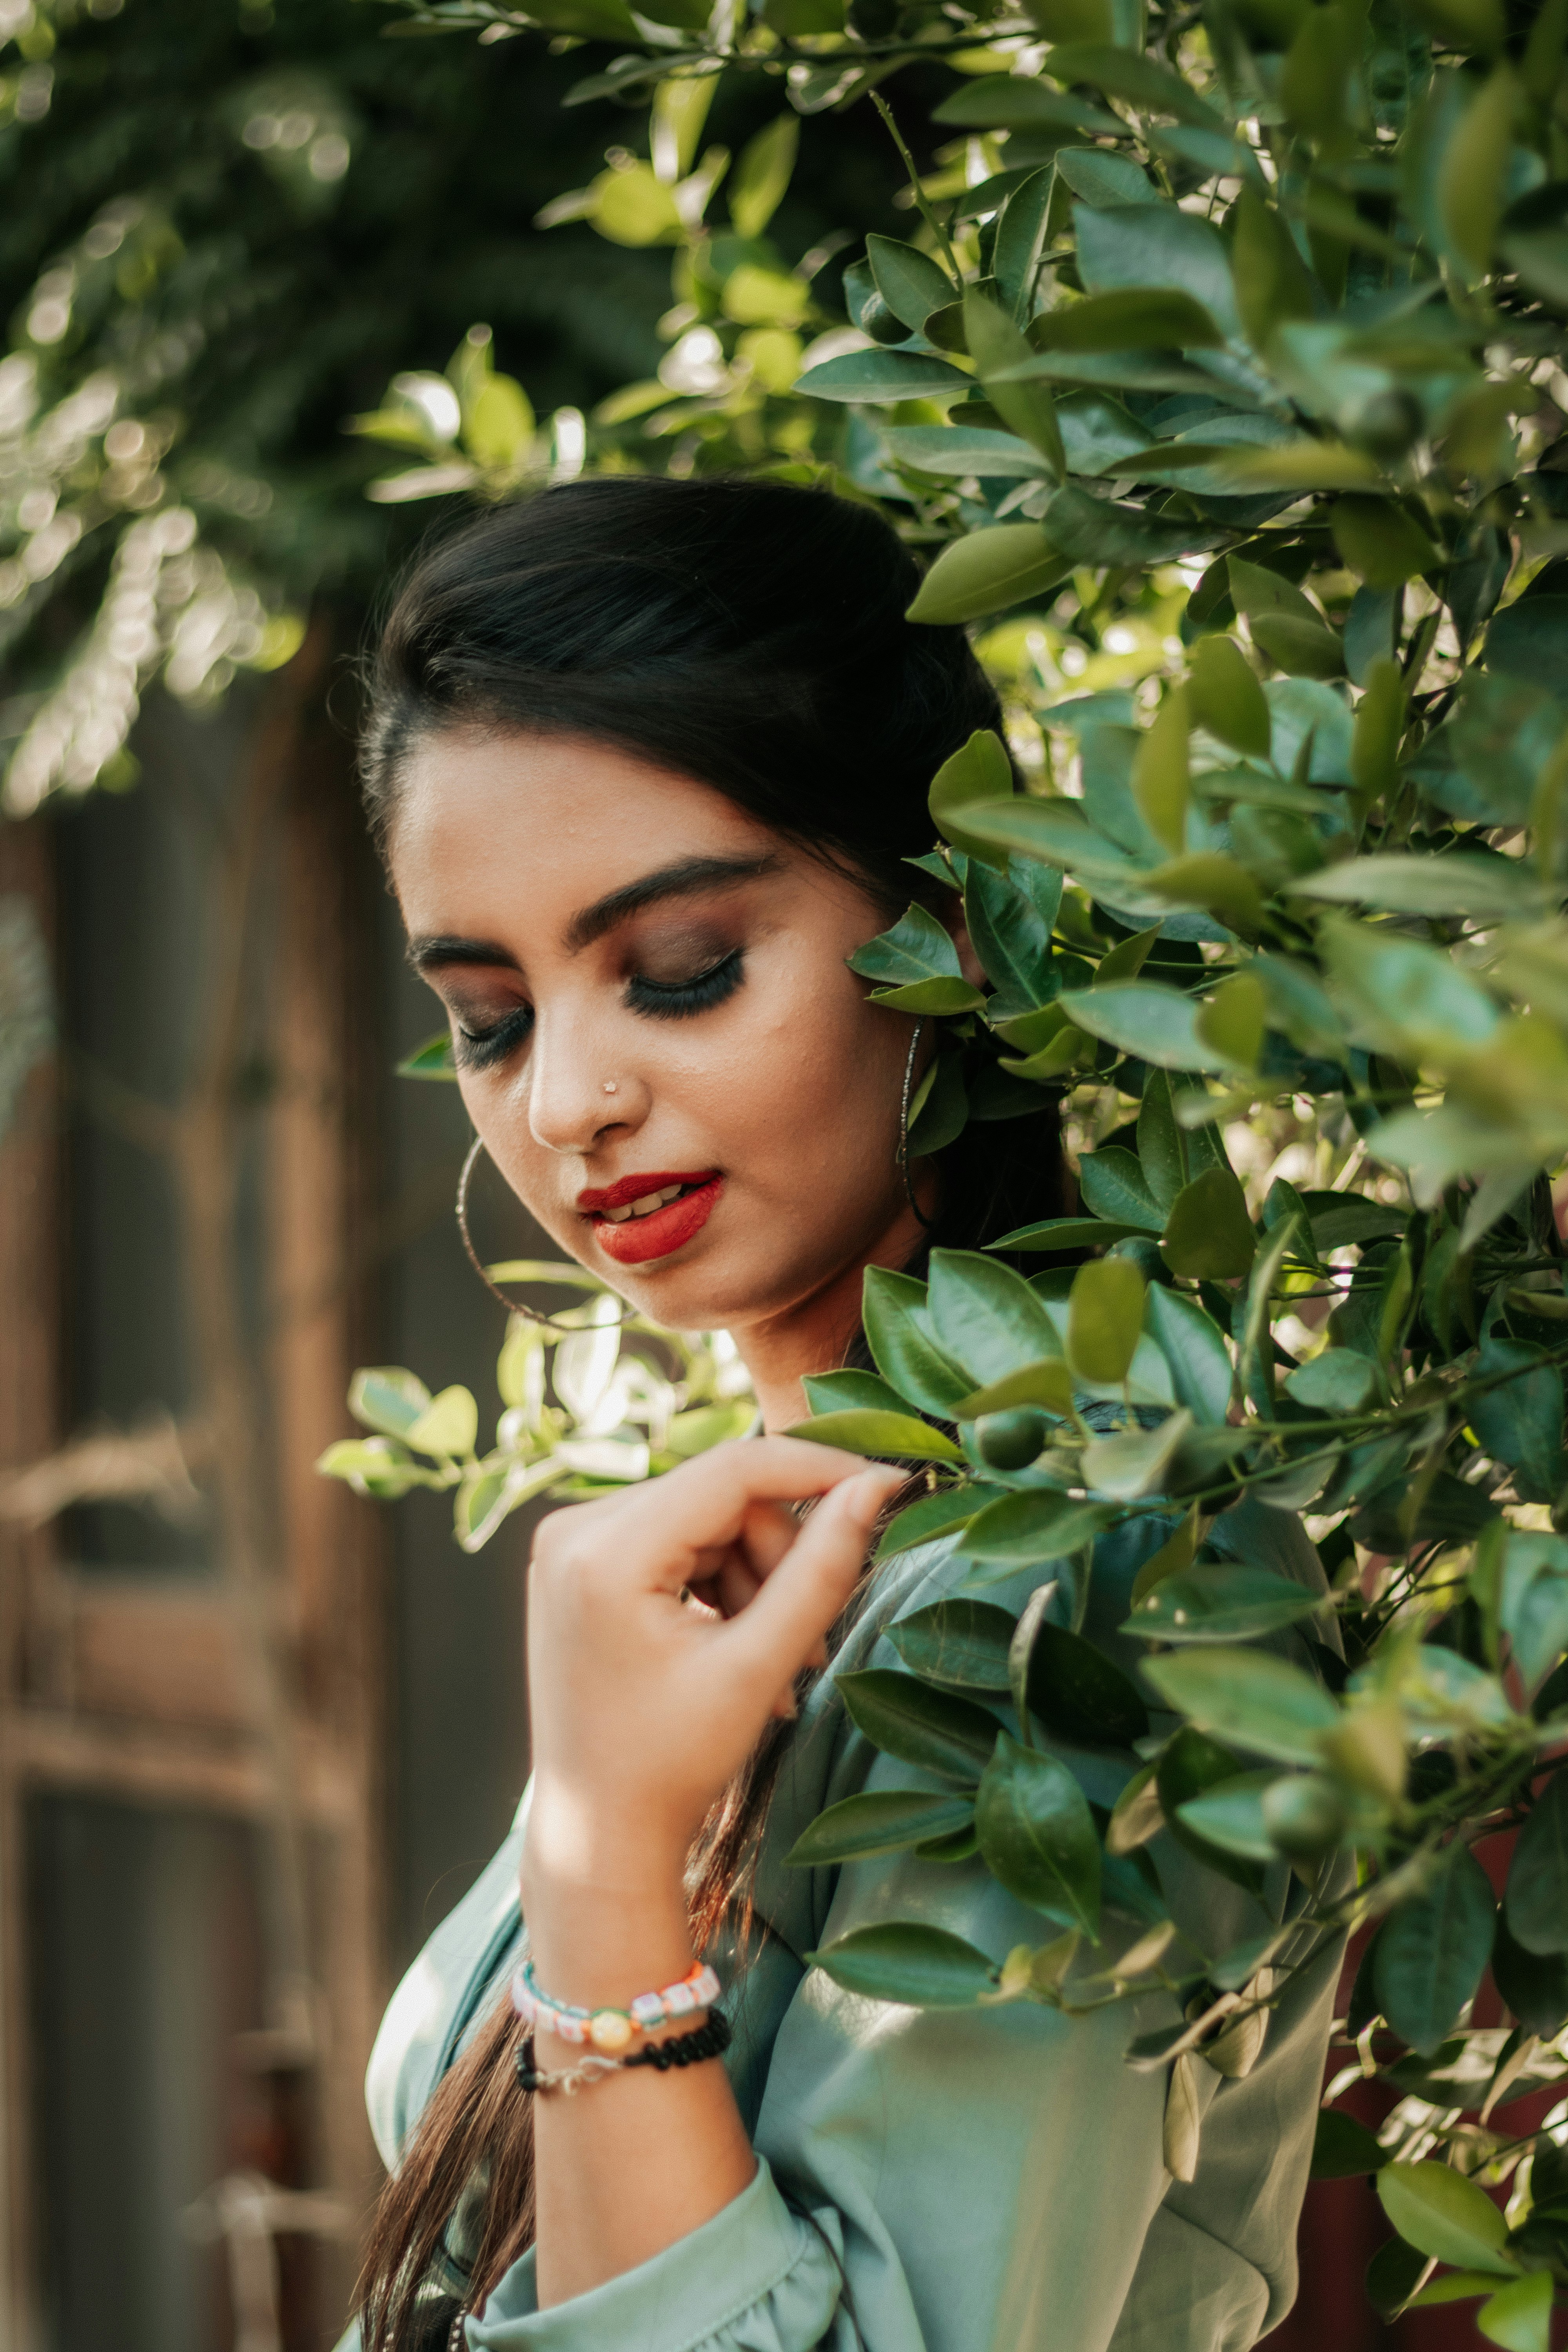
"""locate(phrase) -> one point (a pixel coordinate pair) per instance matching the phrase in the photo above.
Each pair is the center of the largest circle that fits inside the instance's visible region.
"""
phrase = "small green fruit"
(1011, 1440)
(1304, 1816)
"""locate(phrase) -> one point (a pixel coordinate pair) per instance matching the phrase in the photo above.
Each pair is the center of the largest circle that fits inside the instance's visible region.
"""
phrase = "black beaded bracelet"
(710, 2041)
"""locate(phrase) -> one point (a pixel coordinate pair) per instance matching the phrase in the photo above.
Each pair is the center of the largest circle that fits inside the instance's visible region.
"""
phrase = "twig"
(922, 202)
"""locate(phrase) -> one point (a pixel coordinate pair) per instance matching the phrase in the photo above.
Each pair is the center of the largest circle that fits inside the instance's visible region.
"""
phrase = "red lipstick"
(635, 1240)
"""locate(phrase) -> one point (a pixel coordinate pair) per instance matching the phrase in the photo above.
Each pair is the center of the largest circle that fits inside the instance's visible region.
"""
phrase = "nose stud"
(609, 1086)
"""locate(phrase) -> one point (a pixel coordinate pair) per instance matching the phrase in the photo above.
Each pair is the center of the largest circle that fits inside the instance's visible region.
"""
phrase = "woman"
(647, 759)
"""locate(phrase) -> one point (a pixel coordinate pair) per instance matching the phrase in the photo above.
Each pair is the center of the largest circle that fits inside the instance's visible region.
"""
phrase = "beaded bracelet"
(709, 2041)
(611, 2031)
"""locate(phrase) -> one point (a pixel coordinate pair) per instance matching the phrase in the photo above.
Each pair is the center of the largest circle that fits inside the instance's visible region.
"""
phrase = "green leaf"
(759, 181)
(878, 1820)
(1208, 1234)
(1344, 2147)
(1026, 1530)
(980, 770)
(1378, 540)
(1529, 639)
(1338, 1382)
(1249, 1699)
(903, 1345)
(1103, 178)
(1152, 89)
(886, 1436)
(877, 378)
(917, 961)
(1379, 724)
(1518, 2315)
(386, 1398)
(1234, 1020)
(1142, 1017)
(1461, 882)
(1009, 103)
(1430, 1954)
(1037, 1836)
(933, 1516)
(959, 1644)
(848, 1392)
(1220, 1604)
(988, 571)
(996, 345)
(431, 1060)
(910, 282)
(1160, 786)
(1130, 319)
(1537, 1898)
(1135, 1462)
(1105, 1319)
(1079, 1693)
(935, 1729)
(1444, 2215)
(1010, 917)
(1224, 696)
(962, 450)
(1100, 530)
(1534, 1985)
(1230, 1816)
(1273, 284)
(1067, 1234)
(1047, 1382)
(985, 1317)
(1195, 1348)
(1475, 164)
(1189, 1766)
(924, 1968)
(448, 1424)
(1114, 1186)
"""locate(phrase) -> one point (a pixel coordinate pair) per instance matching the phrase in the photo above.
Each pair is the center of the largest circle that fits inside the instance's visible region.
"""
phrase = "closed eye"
(677, 1000)
(477, 1049)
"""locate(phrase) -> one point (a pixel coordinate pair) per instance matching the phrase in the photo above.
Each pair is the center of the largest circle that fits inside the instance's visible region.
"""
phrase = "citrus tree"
(1221, 379)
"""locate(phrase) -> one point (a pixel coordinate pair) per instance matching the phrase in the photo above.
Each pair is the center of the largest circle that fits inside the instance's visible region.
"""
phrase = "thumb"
(775, 1638)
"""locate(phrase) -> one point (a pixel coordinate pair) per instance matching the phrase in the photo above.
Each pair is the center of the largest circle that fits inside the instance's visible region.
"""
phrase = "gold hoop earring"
(901, 1156)
(512, 1306)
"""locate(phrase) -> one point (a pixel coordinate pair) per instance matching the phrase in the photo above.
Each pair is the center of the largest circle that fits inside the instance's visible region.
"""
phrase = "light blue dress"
(976, 2180)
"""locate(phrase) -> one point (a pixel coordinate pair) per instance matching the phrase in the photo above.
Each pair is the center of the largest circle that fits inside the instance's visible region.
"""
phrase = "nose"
(570, 1066)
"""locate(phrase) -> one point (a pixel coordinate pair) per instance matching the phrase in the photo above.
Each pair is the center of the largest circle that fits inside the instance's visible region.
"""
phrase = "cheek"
(809, 1096)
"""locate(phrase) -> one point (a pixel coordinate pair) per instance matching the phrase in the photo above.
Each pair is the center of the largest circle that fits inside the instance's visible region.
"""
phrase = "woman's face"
(656, 1034)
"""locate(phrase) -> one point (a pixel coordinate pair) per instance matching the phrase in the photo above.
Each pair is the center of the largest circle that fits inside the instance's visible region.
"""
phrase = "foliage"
(1223, 382)
(225, 229)
(618, 1415)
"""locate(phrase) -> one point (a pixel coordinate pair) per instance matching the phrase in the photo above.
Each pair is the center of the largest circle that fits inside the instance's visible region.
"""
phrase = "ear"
(952, 918)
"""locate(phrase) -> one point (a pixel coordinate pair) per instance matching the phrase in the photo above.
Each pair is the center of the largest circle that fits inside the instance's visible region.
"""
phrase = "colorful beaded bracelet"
(610, 2030)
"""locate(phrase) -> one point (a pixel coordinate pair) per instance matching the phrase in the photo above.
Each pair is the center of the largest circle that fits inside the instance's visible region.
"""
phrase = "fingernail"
(866, 1493)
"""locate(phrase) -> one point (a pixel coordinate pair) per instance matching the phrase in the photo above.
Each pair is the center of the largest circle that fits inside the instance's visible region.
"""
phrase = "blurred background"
(257, 1736)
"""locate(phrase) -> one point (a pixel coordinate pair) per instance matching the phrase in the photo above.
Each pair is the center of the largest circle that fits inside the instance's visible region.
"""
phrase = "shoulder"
(441, 1997)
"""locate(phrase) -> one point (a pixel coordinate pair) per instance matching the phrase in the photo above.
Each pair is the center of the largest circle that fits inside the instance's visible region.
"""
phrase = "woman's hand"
(665, 1625)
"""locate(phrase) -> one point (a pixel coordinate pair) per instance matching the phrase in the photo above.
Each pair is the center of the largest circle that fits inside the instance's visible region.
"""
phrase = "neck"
(814, 1334)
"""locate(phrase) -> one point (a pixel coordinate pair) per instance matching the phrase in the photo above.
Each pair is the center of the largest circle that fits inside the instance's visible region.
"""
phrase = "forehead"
(487, 821)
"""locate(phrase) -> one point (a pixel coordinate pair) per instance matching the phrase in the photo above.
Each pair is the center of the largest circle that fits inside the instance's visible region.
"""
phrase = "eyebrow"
(687, 876)
(683, 879)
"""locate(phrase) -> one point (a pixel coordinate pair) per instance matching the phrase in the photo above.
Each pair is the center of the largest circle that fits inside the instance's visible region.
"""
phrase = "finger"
(777, 1634)
(659, 1528)
(769, 1531)
(737, 1585)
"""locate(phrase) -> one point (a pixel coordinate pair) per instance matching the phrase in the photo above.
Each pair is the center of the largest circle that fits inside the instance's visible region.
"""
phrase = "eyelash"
(479, 1049)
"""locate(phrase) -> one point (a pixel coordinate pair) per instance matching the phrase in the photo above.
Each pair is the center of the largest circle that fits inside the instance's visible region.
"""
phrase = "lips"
(635, 1237)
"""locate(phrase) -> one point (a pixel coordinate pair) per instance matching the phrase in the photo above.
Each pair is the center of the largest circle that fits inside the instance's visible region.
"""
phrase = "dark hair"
(752, 635)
